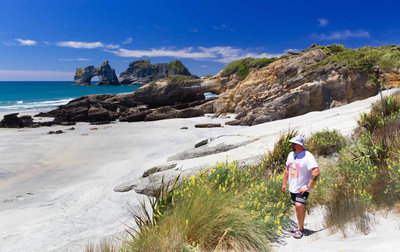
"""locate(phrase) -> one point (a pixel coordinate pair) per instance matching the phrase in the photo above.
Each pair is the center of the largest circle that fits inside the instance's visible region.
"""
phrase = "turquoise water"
(18, 96)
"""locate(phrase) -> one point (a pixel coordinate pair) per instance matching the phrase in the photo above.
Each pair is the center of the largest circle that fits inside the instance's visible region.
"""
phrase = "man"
(302, 171)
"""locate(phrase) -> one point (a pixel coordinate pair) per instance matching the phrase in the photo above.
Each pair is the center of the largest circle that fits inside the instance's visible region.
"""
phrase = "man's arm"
(285, 178)
(313, 180)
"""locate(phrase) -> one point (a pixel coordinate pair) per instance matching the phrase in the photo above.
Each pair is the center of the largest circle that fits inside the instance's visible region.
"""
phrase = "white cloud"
(341, 35)
(26, 42)
(76, 44)
(127, 41)
(111, 46)
(223, 54)
(86, 45)
(78, 59)
(34, 75)
(323, 22)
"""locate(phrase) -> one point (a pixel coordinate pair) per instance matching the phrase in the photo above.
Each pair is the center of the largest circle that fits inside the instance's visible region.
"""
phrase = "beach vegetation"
(325, 142)
(276, 159)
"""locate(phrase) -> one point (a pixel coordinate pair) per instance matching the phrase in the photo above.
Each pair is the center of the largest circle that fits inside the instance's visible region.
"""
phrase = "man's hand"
(303, 189)
(283, 188)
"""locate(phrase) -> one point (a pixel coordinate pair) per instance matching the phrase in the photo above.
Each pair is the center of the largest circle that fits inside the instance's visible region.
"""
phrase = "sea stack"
(142, 71)
(106, 74)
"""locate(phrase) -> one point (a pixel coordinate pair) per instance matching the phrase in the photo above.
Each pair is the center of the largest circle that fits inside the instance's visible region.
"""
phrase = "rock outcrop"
(257, 90)
(142, 71)
(106, 74)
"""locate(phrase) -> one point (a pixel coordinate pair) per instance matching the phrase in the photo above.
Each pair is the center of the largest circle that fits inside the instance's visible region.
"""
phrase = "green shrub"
(325, 142)
(384, 112)
(242, 66)
(179, 79)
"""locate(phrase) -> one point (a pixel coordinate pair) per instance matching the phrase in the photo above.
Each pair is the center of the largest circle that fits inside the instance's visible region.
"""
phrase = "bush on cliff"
(241, 67)
(364, 59)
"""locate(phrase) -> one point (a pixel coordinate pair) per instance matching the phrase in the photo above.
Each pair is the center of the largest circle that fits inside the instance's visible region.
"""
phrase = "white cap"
(298, 140)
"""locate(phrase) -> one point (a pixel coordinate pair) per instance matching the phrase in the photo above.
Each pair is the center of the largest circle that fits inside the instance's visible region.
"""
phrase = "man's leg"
(300, 213)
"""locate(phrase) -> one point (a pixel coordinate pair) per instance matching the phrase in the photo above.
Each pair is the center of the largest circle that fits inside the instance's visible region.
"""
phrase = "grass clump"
(242, 66)
(179, 79)
(325, 142)
(382, 113)
(276, 159)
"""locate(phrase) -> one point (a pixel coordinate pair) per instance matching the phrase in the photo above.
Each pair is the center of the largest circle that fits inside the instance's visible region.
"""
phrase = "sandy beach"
(56, 191)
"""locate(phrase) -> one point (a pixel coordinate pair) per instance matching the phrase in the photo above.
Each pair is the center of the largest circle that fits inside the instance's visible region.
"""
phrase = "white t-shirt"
(300, 166)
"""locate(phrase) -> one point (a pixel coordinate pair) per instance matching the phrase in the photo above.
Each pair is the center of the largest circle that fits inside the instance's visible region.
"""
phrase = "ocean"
(22, 96)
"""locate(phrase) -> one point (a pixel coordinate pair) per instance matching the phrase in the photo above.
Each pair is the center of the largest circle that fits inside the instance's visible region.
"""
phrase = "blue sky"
(49, 39)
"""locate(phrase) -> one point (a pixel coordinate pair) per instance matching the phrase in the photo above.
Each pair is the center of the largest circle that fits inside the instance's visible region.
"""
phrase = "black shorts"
(297, 197)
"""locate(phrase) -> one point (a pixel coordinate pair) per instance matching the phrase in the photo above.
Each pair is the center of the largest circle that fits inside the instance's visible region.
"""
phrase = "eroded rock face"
(295, 84)
(142, 71)
(106, 74)
(288, 87)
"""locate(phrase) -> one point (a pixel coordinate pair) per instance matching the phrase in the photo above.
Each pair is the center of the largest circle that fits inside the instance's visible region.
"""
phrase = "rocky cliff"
(142, 71)
(258, 90)
(105, 73)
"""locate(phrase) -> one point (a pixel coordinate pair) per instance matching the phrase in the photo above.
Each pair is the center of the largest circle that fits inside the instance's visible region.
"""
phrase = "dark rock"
(161, 113)
(201, 143)
(106, 74)
(47, 124)
(184, 128)
(27, 121)
(142, 71)
(12, 121)
(158, 169)
(55, 132)
(207, 125)
(100, 123)
(189, 112)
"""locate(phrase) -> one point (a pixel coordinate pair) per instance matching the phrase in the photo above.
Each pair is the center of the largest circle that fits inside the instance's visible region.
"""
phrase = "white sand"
(56, 191)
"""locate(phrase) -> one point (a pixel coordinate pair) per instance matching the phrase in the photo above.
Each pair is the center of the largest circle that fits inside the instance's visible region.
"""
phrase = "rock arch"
(106, 74)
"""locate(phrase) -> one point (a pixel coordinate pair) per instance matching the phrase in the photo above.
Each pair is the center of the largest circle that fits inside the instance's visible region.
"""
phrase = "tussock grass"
(276, 158)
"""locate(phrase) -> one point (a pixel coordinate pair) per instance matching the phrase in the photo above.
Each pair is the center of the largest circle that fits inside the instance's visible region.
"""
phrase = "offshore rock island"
(142, 71)
(106, 74)
(138, 73)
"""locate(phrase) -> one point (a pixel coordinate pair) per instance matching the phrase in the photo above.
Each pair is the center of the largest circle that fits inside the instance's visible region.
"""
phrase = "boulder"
(12, 121)
(207, 125)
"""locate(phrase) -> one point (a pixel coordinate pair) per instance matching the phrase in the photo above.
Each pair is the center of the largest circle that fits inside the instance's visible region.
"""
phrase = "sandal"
(299, 234)
(293, 230)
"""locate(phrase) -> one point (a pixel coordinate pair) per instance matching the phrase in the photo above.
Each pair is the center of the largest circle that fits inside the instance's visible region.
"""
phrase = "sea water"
(20, 96)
